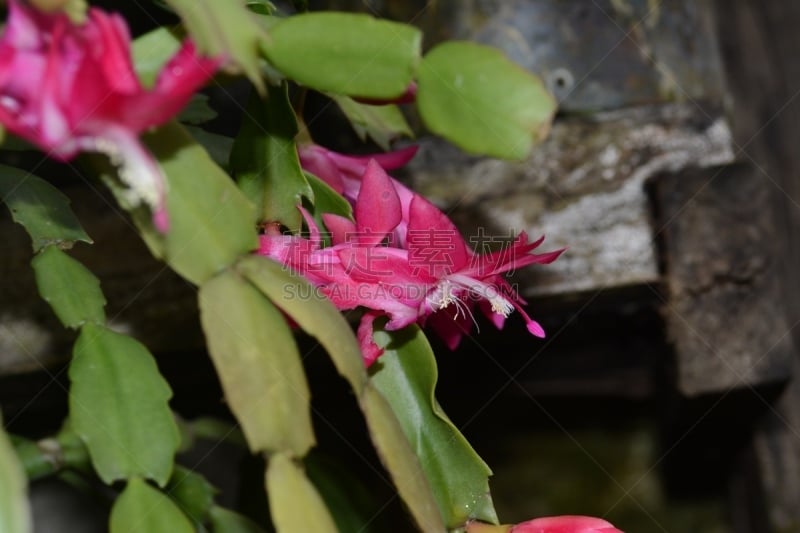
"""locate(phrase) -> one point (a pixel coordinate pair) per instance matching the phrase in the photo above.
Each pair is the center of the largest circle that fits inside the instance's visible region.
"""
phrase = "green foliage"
(258, 364)
(118, 405)
(264, 159)
(381, 123)
(345, 53)
(211, 222)
(192, 491)
(71, 290)
(41, 208)
(315, 314)
(225, 29)
(15, 512)
(294, 503)
(399, 459)
(152, 51)
(406, 375)
(225, 521)
(142, 509)
(474, 96)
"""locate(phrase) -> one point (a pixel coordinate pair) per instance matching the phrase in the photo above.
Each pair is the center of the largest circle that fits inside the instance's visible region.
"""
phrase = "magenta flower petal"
(377, 210)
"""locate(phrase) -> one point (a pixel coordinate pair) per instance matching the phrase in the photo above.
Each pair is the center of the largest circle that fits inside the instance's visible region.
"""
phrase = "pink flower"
(70, 88)
(403, 259)
(550, 524)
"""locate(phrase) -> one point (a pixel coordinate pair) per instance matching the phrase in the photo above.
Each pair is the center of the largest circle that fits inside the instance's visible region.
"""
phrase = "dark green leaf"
(225, 521)
(477, 98)
(262, 7)
(142, 509)
(218, 146)
(314, 313)
(118, 405)
(258, 364)
(326, 200)
(71, 290)
(346, 53)
(40, 208)
(381, 123)
(211, 222)
(406, 375)
(225, 28)
(264, 159)
(192, 491)
(15, 511)
(197, 111)
(294, 503)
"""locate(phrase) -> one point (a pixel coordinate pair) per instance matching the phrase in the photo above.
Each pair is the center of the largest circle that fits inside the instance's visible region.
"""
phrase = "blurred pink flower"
(550, 524)
(422, 273)
(69, 88)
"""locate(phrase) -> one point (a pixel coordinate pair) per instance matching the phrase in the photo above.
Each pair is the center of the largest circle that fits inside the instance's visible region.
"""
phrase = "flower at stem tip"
(400, 258)
(69, 88)
(549, 524)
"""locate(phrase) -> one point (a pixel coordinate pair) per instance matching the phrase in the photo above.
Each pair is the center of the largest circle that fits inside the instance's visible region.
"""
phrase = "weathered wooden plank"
(723, 308)
(584, 188)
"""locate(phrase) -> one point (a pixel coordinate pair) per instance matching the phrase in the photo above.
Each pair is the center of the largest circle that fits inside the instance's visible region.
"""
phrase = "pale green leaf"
(346, 53)
(119, 406)
(406, 375)
(152, 51)
(314, 313)
(225, 521)
(474, 96)
(294, 503)
(225, 28)
(211, 222)
(41, 208)
(265, 162)
(381, 123)
(15, 511)
(143, 509)
(69, 287)
(400, 461)
(258, 364)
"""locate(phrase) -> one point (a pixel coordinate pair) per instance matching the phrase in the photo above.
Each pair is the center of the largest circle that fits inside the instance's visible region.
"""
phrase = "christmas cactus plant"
(280, 235)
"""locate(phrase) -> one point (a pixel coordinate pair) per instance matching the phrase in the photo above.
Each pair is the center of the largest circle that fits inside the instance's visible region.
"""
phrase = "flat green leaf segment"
(211, 222)
(226, 29)
(406, 375)
(294, 503)
(151, 52)
(71, 290)
(225, 521)
(118, 406)
(314, 313)
(264, 159)
(381, 123)
(476, 97)
(346, 53)
(41, 208)
(15, 512)
(319, 318)
(326, 200)
(143, 509)
(258, 364)
(192, 491)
